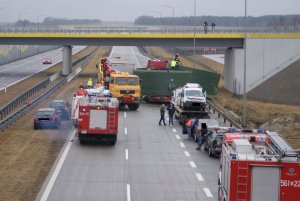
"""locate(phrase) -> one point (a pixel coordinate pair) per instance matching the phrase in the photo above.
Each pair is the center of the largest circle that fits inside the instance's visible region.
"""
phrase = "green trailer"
(157, 85)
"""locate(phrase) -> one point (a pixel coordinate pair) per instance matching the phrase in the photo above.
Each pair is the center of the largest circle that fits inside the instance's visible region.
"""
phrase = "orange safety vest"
(189, 123)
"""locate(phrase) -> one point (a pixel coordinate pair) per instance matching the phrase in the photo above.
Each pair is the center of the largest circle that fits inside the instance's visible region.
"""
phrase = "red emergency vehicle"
(258, 167)
(98, 119)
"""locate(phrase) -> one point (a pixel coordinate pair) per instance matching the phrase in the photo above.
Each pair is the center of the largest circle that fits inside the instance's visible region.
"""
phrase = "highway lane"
(149, 162)
(131, 54)
(16, 71)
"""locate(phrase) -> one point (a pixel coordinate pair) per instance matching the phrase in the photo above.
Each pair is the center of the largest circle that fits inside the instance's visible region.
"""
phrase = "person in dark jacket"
(171, 111)
(203, 136)
(162, 114)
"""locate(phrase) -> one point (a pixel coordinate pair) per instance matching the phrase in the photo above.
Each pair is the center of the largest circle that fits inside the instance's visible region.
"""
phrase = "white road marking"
(126, 154)
(124, 114)
(57, 170)
(125, 131)
(174, 130)
(128, 193)
(192, 163)
(112, 50)
(199, 177)
(207, 192)
(187, 154)
(178, 137)
(181, 144)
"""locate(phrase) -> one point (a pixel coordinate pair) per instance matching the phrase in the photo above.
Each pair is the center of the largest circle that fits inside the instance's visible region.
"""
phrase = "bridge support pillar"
(67, 60)
(233, 70)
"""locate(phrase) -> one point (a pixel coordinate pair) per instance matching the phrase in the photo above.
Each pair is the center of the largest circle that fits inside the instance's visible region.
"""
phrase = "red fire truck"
(258, 167)
(98, 119)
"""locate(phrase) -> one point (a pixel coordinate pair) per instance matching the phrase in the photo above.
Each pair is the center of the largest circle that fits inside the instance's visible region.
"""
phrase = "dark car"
(47, 61)
(46, 118)
(63, 107)
(213, 143)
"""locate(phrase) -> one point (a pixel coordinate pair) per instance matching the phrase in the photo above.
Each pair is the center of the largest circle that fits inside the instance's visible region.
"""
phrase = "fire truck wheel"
(82, 142)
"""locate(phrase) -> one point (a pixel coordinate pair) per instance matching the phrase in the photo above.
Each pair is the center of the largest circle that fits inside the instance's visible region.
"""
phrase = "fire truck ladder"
(242, 181)
(282, 147)
(111, 120)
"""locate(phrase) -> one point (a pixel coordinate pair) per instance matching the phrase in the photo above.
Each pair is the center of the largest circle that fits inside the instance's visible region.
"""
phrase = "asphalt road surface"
(132, 55)
(14, 72)
(148, 163)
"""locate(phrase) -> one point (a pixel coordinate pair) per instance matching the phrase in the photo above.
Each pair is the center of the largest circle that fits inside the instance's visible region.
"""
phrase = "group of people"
(171, 112)
(89, 84)
(190, 124)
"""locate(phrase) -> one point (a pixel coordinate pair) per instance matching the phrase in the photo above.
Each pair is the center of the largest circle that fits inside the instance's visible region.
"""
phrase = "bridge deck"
(149, 35)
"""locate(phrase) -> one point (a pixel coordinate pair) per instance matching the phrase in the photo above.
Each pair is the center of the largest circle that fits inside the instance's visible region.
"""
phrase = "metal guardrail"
(5, 110)
(8, 108)
(225, 117)
(14, 116)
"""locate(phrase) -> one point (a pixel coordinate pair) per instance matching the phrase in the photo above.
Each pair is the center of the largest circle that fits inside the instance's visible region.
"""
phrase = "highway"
(16, 71)
(148, 162)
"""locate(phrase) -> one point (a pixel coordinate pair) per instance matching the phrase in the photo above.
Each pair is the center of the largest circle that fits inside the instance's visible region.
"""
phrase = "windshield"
(197, 93)
(57, 104)
(45, 113)
(127, 81)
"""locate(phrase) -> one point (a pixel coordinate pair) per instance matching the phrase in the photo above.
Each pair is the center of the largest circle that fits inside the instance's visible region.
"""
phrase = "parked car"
(46, 118)
(47, 61)
(213, 143)
(63, 107)
(210, 124)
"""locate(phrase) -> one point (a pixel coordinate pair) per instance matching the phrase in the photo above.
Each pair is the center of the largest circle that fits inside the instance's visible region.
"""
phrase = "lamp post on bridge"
(169, 7)
(194, 27)
(160, 24)
(245, 69)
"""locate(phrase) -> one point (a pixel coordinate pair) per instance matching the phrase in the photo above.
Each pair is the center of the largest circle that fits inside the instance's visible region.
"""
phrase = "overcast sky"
(129, 10)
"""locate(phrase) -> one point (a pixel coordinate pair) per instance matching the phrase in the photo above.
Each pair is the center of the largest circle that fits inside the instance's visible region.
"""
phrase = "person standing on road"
(171, 110)
(162, 114)
(90, 83)
(202, 137)
(190, 126)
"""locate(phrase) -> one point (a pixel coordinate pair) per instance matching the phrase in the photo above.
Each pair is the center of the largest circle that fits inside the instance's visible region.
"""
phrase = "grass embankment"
(284, 119)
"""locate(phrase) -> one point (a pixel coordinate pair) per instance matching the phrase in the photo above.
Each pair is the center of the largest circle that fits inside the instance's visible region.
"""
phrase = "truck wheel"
(82, 142)
(133, 106)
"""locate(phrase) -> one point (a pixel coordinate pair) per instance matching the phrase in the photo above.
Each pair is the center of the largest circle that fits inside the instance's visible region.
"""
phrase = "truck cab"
(126, 88)
(191, 96)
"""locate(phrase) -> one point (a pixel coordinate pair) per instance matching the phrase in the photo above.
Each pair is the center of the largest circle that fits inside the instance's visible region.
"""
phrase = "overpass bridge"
(267, 53)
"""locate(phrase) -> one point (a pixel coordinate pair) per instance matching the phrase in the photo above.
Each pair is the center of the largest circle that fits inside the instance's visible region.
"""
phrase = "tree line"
(227, 21)
(50, 21)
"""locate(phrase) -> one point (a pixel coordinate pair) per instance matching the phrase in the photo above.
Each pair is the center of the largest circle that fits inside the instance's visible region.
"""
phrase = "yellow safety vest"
(173, 64)
(90, 83)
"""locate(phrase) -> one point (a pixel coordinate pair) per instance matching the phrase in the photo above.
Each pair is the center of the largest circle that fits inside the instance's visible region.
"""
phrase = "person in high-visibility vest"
(174, 64)
(90, 83)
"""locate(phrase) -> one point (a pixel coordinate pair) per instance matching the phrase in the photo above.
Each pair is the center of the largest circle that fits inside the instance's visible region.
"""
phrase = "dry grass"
(258, 113)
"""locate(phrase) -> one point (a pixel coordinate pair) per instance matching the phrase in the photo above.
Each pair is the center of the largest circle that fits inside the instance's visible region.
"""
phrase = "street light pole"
(194, 33)
(245, 68)
(171, 8)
